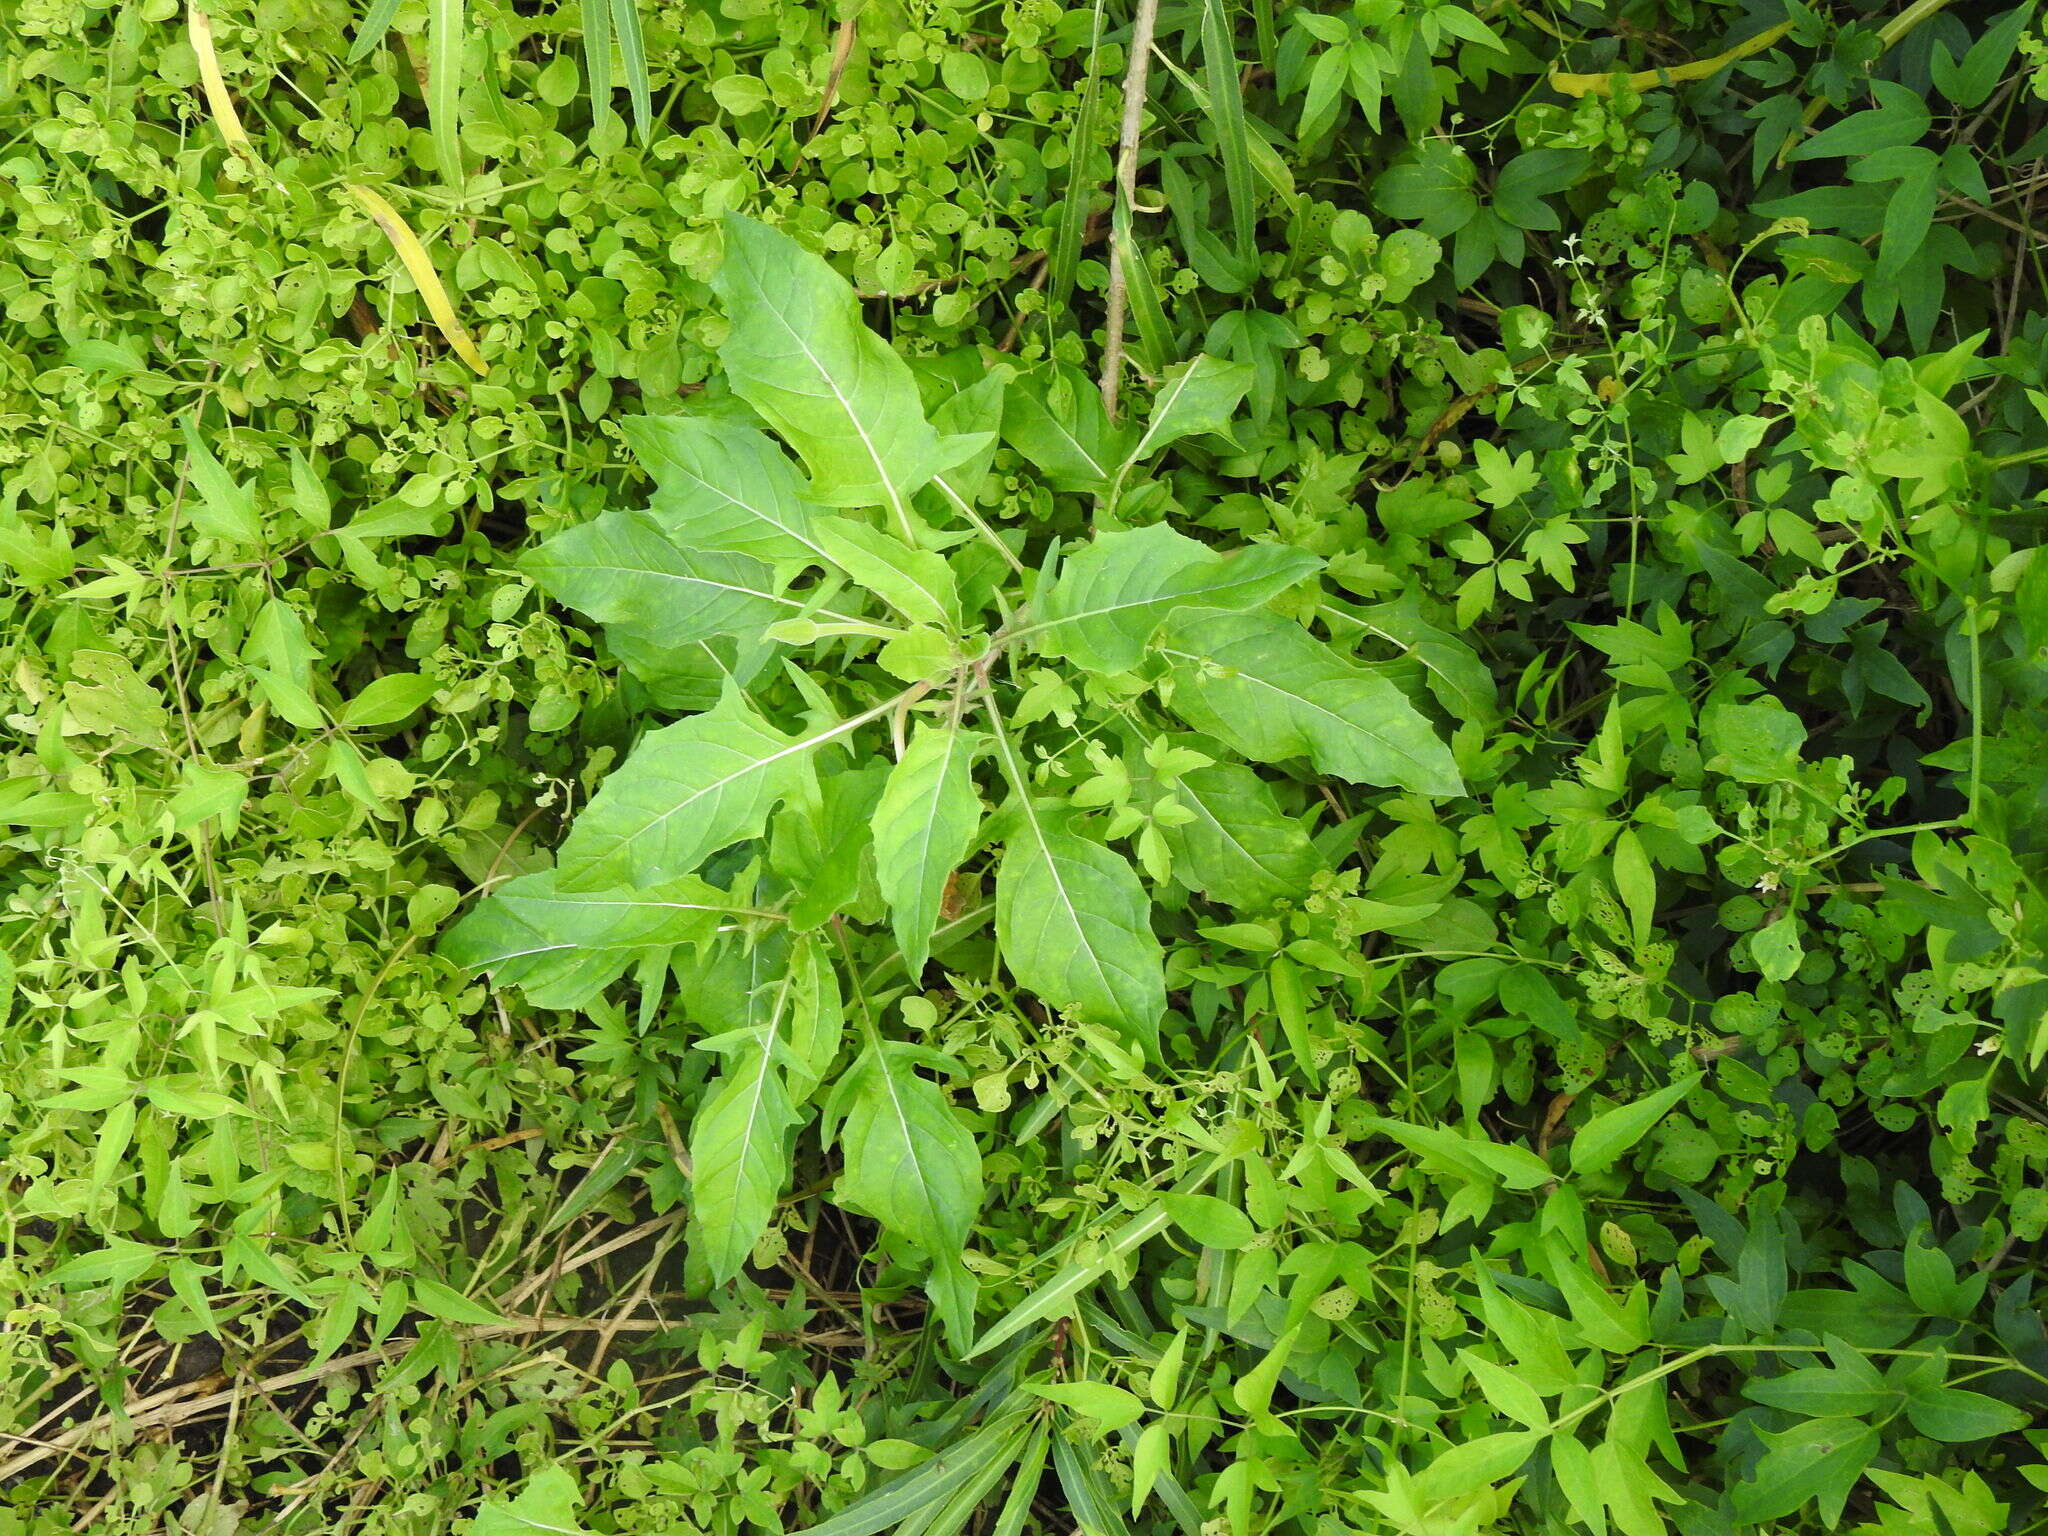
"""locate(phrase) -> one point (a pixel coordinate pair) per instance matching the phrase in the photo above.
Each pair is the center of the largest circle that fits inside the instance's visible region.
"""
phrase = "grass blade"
(1051, 1298)
(424, 277)
(376, 22)
(1154, 339)
(633, 54)
(1226, 114)
(1024, 1483)
(926, 1487)
(1065, 255)
(597, 56)
(444, 84)
(1088, 1496)
(1265, 161)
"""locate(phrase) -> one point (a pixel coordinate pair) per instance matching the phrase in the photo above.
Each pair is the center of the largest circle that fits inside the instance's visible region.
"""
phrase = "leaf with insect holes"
(1272, 691)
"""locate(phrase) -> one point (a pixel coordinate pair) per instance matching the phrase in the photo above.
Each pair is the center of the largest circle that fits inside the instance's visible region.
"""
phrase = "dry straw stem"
(1126, 185)
(424, 278)
(176, 1405)
(199, 27)
(842, 50)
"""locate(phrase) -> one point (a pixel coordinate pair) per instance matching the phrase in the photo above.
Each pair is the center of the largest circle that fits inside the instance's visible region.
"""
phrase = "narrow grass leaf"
(376, 22)
(1226, 121)
(633, 54)
(445, 40)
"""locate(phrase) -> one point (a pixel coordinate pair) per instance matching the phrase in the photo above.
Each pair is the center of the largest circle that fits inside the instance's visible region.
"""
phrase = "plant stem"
(1126, 188)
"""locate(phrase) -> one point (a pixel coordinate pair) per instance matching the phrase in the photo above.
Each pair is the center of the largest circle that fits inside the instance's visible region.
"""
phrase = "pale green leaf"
(1472, 1464)
(623, 571)
(1112, 596)
(915, 582)
(1110, 1407)
(909, 1162)
(739, 1156)
(1473, 1157)
(1195, 397)
(562, 948)
(376, 22)
(1089, 1497)
(721, 485)
(688, 790)
(1209, 1221)
(1272, 691)
(798, 353)
(546, 1506)
(975, 412)
(1055, 419)
(220, 507)
(633, 54)
(926, 822)
(450, 1305)
(388, 699)
(1074, 924)
(1604, 1138)
(1238, 846)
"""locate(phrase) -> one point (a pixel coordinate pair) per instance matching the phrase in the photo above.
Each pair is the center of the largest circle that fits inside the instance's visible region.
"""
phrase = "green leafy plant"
(913, 704)
(1316, 815)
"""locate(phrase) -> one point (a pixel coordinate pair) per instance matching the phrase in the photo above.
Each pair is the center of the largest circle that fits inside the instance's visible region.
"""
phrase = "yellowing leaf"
(1678, 74)
(421, 269)
(199, 28)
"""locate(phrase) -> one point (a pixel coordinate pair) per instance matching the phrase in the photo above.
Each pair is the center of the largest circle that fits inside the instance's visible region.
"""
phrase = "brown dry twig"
(177, 1405)
(842, 50)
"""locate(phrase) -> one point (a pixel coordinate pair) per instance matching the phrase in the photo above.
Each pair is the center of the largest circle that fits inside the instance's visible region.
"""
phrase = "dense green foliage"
(659, 878)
